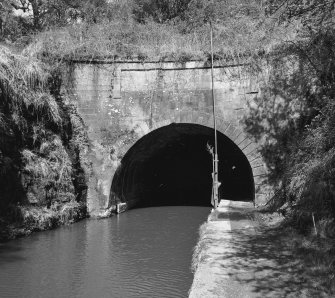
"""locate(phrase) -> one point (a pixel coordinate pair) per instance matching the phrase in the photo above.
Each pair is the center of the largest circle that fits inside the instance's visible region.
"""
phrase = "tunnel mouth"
(171, 166)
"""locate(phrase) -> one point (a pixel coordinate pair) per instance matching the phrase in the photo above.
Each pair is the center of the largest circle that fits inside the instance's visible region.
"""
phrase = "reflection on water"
(141, 253)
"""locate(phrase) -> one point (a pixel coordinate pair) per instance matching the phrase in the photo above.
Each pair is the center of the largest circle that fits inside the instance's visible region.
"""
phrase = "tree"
(30, 6)
(221, 11)
(11, 26)
(45, 13)
(159, 10)
(293, 117)
(5, 11)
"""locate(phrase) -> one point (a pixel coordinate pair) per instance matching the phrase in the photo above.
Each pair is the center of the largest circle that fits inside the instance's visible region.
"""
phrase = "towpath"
(238, 258)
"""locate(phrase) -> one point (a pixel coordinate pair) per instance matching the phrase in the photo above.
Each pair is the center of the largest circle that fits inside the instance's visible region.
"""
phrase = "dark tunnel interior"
(172, 166)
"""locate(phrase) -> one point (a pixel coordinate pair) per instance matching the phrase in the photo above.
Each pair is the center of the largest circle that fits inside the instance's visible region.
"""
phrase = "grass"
(280, 259)
(129, 40)
(24, 88)
(41, 148)
(313, 246)
(314, 251)
(115, 40)
(317, 255)
(23, 220)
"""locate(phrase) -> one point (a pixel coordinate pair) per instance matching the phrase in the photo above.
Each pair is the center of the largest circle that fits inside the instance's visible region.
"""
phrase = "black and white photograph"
(167, 148)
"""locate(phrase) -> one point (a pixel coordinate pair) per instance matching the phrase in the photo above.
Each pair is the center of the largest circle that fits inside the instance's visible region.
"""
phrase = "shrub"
(36, 132)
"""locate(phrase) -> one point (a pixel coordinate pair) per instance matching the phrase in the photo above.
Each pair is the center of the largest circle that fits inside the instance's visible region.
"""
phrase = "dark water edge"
(141, 253)
(25, 220)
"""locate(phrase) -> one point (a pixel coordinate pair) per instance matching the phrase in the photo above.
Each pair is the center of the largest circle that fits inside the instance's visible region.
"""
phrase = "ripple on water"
(141, 253)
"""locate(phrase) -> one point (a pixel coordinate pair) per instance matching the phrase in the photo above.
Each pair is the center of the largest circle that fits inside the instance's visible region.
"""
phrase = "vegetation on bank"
(286, 261)
(293, 117)
(42, 171)
(23, 220)
(148, 30)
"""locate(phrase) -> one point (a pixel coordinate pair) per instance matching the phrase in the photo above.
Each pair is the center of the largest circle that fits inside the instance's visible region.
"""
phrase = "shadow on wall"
(171, 166)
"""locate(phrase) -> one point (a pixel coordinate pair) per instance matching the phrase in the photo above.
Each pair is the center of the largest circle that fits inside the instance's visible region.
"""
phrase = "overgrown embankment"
(293, 116)
(42, 170)
(149, 31)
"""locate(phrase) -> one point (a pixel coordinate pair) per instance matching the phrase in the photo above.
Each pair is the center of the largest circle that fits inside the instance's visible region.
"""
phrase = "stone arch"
(232, 130)
(122, 102)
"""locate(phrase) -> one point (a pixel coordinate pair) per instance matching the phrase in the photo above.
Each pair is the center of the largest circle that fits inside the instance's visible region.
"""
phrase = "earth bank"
(43, 171)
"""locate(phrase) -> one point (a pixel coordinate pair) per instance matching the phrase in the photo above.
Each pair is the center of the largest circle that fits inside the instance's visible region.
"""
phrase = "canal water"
(141, 253)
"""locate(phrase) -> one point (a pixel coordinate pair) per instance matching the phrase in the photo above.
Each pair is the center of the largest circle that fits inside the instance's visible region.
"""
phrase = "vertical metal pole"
(213, 169)
(216, 160)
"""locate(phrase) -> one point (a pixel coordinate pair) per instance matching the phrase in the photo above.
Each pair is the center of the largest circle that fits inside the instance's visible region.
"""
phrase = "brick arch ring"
(229, 129)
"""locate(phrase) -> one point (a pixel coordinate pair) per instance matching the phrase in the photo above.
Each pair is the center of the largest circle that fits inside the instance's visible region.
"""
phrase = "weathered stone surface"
(121, 102)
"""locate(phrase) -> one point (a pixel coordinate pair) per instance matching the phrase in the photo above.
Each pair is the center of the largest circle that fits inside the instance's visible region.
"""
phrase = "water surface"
(141, 253)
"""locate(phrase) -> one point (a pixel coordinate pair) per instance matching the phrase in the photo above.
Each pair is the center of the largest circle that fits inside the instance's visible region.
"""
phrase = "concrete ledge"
(235, 204)
(213, 276)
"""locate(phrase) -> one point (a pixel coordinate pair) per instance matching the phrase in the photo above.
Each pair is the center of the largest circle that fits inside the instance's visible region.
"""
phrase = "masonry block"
(229, 132)
(253, 155)
(250, 148)
(242, 137)
(259, 171)
(124, 97)
(244, 144)
(257, 162)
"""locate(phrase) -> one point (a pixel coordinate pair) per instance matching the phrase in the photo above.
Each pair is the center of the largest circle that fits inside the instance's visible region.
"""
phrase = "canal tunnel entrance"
(172, 166)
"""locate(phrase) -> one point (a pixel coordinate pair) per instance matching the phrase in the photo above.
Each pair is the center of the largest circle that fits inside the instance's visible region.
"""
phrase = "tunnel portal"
(171, 166)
